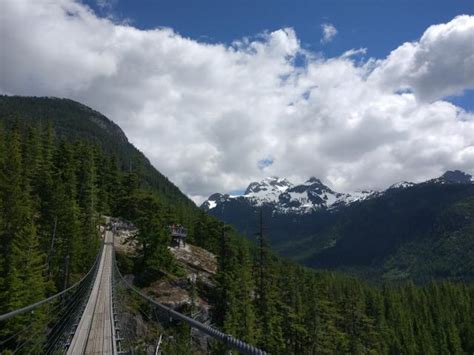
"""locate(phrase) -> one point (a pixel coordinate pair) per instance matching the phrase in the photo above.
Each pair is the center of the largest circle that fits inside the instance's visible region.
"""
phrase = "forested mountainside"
(53, 191)
(72, 120)
(410, 231)
(54, 188)
(422, 232)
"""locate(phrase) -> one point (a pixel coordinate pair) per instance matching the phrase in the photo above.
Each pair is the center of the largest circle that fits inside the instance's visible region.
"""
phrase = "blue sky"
(378, 25)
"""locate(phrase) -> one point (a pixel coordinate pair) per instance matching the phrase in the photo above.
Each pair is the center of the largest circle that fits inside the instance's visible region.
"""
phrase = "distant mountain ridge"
(409, 230)
(285, 197)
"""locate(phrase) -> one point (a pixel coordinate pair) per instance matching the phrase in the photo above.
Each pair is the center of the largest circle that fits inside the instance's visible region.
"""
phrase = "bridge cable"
(226, 338)
(30, 307)
(65, 310)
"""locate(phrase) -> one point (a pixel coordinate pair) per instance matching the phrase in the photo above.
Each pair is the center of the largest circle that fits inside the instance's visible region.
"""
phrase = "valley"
(58, 181)
(382, 235)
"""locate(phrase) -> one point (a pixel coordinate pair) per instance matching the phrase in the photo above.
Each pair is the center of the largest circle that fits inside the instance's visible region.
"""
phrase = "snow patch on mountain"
(214, 200)
(356, 196)
(267, 191)
(402, 185)
(285, 197)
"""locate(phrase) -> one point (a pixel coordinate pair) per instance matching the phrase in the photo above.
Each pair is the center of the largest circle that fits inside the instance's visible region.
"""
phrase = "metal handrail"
(49, 299)
(227, 338)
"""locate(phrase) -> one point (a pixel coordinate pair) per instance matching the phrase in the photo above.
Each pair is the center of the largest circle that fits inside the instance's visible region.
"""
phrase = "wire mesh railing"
(163, 312)
(46, 326)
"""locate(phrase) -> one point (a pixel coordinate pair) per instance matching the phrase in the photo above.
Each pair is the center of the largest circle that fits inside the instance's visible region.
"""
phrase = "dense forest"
(55, 188)
(299, 311)
(50, 196)
(72, 121)
(53, 193)
(419, 232)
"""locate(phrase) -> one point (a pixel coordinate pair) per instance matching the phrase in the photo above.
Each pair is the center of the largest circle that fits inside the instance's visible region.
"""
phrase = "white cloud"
(106, 5)
(207, 114)
(329, 32)
(354, 52)
(441, 63)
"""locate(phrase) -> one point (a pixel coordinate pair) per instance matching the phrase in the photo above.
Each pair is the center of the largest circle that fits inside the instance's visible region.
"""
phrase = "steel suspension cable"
(64, 312)
(49, 299)
(226, 338)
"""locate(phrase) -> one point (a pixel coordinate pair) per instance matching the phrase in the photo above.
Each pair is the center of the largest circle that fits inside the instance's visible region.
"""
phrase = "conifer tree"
(267, 299)
(22, 261)
(245, 286)
(42, 186)
(87, 199)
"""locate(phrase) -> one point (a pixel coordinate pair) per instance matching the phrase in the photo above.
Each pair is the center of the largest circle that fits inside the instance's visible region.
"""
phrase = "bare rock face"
(186, 292)
(169, 293)
(189, 290)
(196, 259)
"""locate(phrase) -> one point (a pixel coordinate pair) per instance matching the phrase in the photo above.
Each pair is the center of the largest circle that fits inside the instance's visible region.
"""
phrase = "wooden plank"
(95, 332)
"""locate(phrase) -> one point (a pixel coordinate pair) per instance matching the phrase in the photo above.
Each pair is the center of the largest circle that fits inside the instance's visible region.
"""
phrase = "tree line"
(54, 190)
(286, 308)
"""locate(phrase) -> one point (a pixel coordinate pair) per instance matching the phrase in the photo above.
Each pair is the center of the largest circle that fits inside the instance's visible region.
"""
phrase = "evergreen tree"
(267, 298)
(52, 193)
(87, 200)
(42, 186)
(22, 261)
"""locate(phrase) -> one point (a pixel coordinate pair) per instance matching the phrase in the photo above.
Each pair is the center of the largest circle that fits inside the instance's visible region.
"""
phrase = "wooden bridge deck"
(95, 333)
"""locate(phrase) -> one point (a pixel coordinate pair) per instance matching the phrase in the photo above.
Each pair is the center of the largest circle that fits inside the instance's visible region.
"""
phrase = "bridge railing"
(47, 325)
(227, 339)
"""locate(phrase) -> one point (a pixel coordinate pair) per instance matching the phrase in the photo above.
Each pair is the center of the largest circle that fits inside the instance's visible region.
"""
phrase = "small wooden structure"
(178, 235)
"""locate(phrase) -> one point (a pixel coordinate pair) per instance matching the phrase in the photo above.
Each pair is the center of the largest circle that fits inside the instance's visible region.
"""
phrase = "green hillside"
(415, 233)
(56, 182)
(73, 121)
(422, 232)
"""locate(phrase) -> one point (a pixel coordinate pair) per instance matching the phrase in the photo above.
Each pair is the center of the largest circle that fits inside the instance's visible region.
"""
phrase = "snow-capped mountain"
(372, 231)
(267, 191)
(402, 185)
(453, 177)
(285, 197)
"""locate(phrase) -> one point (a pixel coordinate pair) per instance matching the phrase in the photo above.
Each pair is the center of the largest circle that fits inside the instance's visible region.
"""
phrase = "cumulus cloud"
(212, 117)
(329, 32)
(441, 63)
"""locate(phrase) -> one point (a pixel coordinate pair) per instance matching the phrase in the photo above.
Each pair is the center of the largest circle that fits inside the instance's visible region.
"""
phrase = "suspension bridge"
(88, 317)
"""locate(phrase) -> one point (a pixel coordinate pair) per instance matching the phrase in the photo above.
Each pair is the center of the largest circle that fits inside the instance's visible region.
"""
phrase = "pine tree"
(267, 299)
(111, 183)
(245, 287)
(42, 186)
(2, 222)
(291, 294)
(87, 200)
(23, 262)
(65, 243)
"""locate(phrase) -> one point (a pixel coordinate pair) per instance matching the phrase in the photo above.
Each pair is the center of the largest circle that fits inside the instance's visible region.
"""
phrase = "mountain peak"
(401, 185)
(269, 183)
(285, 197)
(275, 181)
(457, 177)
(313, 180)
